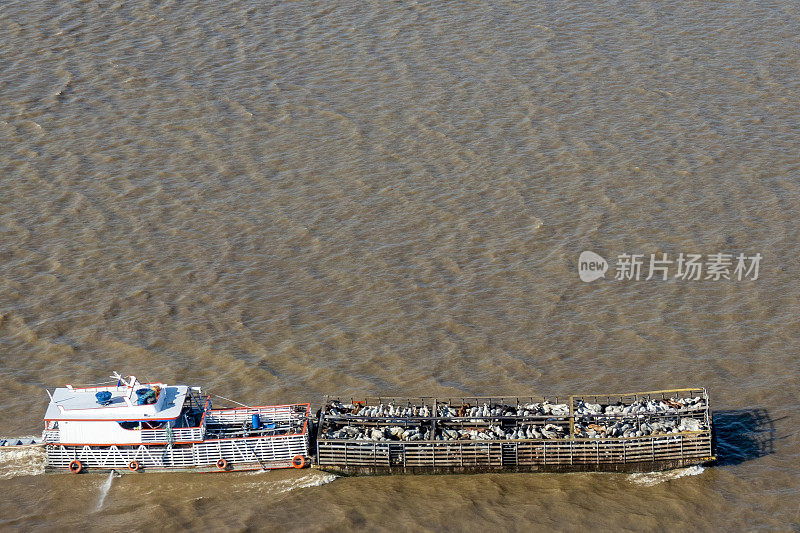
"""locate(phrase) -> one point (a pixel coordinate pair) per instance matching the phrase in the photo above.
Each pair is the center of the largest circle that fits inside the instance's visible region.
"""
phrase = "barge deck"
(638, 432)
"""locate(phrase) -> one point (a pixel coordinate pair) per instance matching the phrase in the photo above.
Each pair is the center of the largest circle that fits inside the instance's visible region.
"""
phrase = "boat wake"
(648, 479)
(104, 490)
(308, 480)
(16, 462)
(269, 485)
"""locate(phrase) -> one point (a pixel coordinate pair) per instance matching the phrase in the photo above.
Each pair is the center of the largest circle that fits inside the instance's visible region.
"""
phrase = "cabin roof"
(69, 403)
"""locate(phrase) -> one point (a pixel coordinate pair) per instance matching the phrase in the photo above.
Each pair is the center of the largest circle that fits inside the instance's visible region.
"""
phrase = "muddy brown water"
(279, 200)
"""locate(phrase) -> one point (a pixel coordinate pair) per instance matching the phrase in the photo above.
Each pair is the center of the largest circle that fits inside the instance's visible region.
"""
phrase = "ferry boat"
(144, 427)
(135, 426)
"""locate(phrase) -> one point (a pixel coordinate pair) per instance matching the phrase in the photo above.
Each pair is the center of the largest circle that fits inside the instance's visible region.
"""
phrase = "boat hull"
(239, 467)
(644, 466)
(263, 453)
(641, 454)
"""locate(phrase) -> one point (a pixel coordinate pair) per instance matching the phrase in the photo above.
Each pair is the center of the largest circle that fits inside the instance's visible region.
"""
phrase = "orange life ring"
(298, 461)
(75, 466)
(133, 466)
(222, 464)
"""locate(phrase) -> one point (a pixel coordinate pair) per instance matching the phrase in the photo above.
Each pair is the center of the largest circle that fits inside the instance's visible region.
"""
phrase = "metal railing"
(683, 446)
(276, 413)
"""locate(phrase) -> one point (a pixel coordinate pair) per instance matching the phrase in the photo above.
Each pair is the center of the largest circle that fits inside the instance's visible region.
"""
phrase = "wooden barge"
(637, 432)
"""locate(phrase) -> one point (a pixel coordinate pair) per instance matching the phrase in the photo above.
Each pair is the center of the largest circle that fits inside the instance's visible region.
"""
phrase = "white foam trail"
(309, 480)
(15, 462)
(648, 479)
(104, 490)
(257, 472)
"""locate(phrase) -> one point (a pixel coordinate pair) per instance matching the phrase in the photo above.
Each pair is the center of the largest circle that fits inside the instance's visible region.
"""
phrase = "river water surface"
(279, 200)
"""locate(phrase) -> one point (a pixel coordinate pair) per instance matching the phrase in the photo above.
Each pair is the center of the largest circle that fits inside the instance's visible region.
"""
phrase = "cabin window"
(142, 424)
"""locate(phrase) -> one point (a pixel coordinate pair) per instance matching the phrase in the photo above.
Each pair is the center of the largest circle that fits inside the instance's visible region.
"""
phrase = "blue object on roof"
(103, 397)
(146, 396)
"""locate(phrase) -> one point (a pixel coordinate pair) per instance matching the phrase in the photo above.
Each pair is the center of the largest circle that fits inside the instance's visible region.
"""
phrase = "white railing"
(173, 435)
(267, 414)
(178, 435)
(277, 450)
(262, 452)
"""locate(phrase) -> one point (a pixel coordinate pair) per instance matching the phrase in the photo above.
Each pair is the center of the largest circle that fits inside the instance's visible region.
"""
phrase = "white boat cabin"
(127, 413)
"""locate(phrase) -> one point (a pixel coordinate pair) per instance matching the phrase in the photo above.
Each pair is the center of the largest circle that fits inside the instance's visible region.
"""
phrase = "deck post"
(572, 417)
